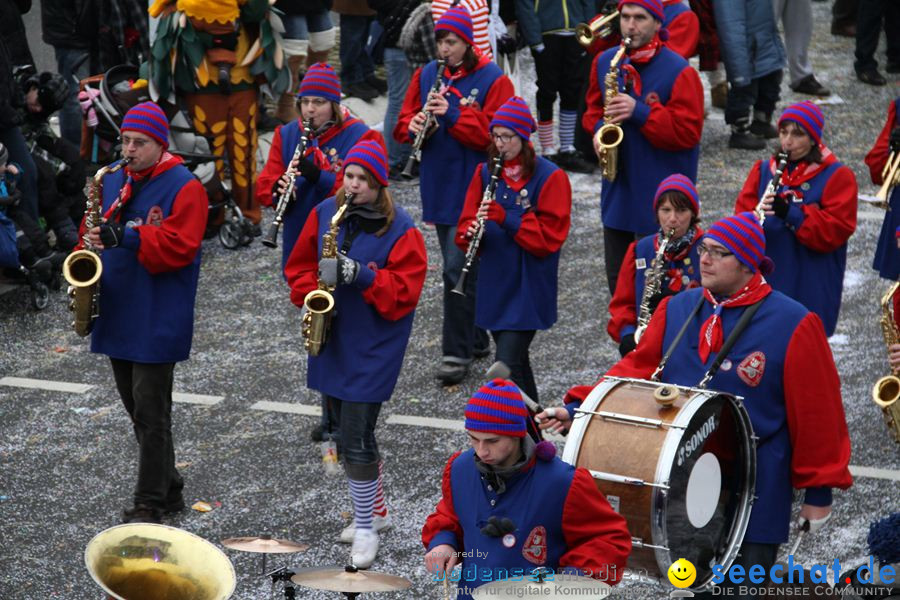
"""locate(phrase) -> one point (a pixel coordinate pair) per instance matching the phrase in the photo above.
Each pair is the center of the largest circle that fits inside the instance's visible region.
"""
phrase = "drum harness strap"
(723, 352)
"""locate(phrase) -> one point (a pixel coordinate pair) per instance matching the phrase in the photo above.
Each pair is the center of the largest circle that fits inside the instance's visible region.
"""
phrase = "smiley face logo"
(682, 573)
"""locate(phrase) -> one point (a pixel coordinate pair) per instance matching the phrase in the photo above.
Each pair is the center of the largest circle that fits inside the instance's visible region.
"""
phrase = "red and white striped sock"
(379, 509)
(545, 137)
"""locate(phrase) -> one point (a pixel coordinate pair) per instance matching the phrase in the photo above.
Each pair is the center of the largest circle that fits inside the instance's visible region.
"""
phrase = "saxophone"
(782, 158)
(610, 135)
(886, 391)
(652, 284)
(319, 303)
(82, 268)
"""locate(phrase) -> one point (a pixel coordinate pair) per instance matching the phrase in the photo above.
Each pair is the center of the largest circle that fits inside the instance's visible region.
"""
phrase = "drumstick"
(446, 586)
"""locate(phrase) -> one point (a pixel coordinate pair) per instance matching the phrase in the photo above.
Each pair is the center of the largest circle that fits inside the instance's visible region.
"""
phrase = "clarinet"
(782, 158)
(416, 154)
(472, 250)
(270, 240)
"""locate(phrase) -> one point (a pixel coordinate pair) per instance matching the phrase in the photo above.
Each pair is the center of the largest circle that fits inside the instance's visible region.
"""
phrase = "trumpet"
(603, 28)
(610, 135)
(891, 176)
(416, 155)
(472, 250)
(782, 158)
(270, 240)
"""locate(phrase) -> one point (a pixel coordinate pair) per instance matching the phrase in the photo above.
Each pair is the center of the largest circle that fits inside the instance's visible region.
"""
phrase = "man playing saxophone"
(154, 215)
(659, 106)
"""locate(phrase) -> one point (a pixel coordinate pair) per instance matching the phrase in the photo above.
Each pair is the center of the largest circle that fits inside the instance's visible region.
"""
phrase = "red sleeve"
(302, 267)
(677, 124)
(622, 309)
(749, 195)
(597, 537)
(397, 286)
(470, 208)
(471, 127)
(812, 394)
(272, 171)
(684, 34)
(412, 105)
(544, 229)
(878, 155)
(174, 243)
(593, 112)
(829, 223)
(443, 522)
(600, 45)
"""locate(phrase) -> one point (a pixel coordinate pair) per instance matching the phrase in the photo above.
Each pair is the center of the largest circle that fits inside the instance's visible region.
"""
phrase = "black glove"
(506, 44)
(111, 234)
(627, 344)
(309, 170)
(498, 527)
(338, 271)
(780, 206)
(894, 140)
(656, 298)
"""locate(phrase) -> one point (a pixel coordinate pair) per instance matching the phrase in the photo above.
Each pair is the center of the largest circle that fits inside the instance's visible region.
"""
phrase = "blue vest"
(755, 371)
(144, 317)
(644, 255)
(533, 498)
(627, 203)
(516, 289)
(307, 195)
(814, 279)
(887, 255)
(361, 360)
(447, 166)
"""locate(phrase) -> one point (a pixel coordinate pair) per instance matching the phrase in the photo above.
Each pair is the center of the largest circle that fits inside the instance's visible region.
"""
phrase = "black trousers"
(615, 246)
(868, 29)
(750, 554)
(512, 349)
(761, 94)
(146, 392)
(843, 12)
(559, 71)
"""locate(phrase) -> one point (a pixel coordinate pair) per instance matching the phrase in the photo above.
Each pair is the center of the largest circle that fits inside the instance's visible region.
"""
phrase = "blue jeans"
(298, 27)
(460, 335)
(19, 154)
(356, 64)
(512, 349)
(70, 114)
(398, 77)
(359, 448)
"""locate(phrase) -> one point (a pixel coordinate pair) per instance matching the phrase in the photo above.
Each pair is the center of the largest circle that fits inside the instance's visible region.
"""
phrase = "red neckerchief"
(115, 208)
(513, 174)
(459, 73)
(711, 334)
(639, 56)
(797, 173)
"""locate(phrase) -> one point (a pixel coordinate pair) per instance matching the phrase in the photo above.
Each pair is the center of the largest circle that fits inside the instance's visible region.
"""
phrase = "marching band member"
(472, 88)
(681, 23)
(677, 208)
(508, 504)
(780, 364)
(661, 114)
(525, 226)
(378, 272)
(809, 217)
(334, 132)
(155, 214)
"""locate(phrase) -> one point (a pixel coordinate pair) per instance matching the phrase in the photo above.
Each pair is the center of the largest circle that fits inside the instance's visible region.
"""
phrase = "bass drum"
(678, 463)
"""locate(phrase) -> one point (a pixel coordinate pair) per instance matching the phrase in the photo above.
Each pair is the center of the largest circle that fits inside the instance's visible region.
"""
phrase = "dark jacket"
(392, 14)
(9, 115)
(69, 23)
(12, 31)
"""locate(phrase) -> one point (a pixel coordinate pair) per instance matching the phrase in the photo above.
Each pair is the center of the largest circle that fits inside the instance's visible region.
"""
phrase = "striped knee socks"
(363, 495)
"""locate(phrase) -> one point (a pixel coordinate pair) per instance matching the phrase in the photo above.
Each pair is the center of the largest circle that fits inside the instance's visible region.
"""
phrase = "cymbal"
(561, 586)
(349, 582)
(264, 544)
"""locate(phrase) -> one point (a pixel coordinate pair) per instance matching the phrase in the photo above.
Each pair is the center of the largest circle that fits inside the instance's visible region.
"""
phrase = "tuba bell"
(144, 561)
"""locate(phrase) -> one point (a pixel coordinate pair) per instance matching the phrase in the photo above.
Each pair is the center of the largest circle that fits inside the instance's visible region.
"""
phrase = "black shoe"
(451, 373)
(810, 85)
(316, 434)
(142, 513)
(554, 158)
(572, 160)
(379, 84)
(171, 507)
(361, 90)
(481, 352)
(763, 129)
(843, 29)
(892, 67)
(742, 139)
(872, 77)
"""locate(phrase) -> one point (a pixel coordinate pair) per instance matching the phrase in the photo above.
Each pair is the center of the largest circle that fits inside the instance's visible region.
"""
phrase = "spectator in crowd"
(797, 23)
(417, 39)
(843, 18)
(123, 36)
(869, 20)
(708, 51)
(357, 67)
(478, 9)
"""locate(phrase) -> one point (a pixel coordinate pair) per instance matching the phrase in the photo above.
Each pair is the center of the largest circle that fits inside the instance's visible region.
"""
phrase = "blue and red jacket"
(782, 366)
(519, 257)
(562, 521)
(149, 281)
(680, 21)
(887, 255)
(362, 358)
(808, 246)
(450, 155)
(682, 273)
(328, 151)
(662, 136)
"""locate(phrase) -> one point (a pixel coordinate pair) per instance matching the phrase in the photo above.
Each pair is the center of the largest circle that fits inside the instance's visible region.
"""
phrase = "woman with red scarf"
(809, 216)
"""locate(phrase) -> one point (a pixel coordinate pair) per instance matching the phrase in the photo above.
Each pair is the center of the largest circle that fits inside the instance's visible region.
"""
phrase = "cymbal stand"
(283, 574)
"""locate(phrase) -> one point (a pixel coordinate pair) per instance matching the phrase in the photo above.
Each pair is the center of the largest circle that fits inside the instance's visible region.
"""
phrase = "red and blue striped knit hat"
(654, 7)
(808, 115)
(742, 235)
(678, 183)
(457, 20)
(148, 118)
(497, 408)
(516, 115)
(371, 156)
(322, 82)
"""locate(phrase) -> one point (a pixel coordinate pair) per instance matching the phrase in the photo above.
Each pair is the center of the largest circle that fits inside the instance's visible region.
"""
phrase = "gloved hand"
(627, 344)
(506, 44)
(894, 140)
(338, 271)
(498, 527)
(780, 206)
(665, 292)
(111, 234)
(309, 170)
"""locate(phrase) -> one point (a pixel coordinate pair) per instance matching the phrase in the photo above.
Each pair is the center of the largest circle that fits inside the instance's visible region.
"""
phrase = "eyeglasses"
(313, 101)
(138, 143)
(504, 139)
(714, 253)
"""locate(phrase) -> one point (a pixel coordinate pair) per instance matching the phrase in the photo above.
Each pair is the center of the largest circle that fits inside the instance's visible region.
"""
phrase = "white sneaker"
(365, 547)
(378, 524)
